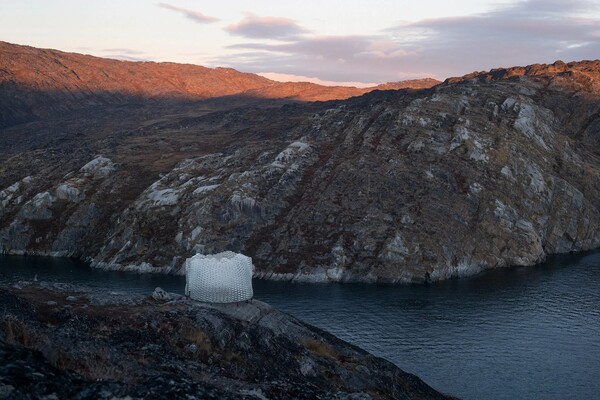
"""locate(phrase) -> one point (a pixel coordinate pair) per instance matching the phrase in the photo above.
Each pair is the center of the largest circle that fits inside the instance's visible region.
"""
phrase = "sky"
(351, 42)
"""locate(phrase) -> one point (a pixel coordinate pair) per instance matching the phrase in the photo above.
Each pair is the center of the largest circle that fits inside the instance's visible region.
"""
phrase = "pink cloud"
(257, 27)
(520, 33)
(195, 16)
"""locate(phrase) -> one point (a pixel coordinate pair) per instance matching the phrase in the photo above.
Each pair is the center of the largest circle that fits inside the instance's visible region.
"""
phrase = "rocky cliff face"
(489, 170)
(61, 341)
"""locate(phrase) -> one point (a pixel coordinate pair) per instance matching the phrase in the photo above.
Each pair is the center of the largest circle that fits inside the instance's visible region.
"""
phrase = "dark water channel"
(518, 333)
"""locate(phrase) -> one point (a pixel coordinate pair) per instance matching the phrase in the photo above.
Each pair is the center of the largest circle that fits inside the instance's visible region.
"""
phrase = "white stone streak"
(526, 123)
(165, 197)
(64, 191)
(395, 250)
(291, 152)
(99, 167)
(506, 171)
(204, 189)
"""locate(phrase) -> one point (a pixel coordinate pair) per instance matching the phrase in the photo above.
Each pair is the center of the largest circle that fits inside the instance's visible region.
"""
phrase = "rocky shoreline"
(68, 341)
(491, 170)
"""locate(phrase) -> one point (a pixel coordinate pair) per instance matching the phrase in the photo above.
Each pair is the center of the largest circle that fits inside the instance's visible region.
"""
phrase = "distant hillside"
(409, 84)
(585, 73)
(488, 170)
(36, 83)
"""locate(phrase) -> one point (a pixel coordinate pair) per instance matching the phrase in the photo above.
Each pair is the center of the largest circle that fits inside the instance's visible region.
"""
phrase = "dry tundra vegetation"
(94, 344)
(488, 170)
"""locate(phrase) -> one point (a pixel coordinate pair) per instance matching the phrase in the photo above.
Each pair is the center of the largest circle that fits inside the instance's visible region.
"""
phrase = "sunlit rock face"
(489, 170)
(41, 83)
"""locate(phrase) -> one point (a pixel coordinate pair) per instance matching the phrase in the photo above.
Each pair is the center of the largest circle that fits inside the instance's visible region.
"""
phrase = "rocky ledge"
(65, 341)
(486, 171)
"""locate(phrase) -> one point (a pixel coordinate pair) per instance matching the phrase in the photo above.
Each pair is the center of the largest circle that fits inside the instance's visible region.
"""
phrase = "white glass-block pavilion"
(219, 278)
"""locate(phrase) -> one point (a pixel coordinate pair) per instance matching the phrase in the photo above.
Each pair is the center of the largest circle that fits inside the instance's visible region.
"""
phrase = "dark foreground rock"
(64, 341)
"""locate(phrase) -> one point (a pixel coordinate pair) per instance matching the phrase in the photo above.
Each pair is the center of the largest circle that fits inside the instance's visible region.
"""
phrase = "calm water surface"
(519, 333)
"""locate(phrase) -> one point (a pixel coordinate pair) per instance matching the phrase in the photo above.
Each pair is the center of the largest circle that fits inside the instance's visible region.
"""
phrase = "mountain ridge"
(483, 171)
(38, 79)
(583, 68)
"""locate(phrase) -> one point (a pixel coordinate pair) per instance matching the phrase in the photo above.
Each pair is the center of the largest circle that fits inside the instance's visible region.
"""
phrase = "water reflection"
(518, 333)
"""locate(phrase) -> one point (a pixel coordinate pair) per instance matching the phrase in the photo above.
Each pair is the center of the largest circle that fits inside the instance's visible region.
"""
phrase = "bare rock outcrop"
(65, 341)
(484, 171)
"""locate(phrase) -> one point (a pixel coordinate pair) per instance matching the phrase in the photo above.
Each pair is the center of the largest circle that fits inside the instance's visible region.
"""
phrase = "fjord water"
(517, 333)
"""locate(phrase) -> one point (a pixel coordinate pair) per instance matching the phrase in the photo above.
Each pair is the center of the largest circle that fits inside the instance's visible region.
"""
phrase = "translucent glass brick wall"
(219, 278)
